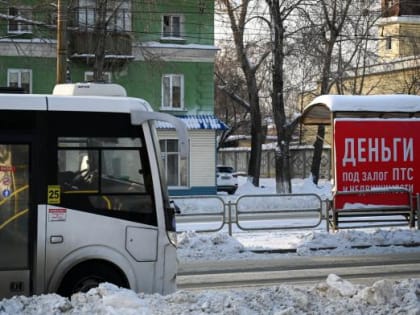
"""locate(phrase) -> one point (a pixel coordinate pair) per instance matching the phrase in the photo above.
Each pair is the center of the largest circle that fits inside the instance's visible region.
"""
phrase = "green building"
(159, 50)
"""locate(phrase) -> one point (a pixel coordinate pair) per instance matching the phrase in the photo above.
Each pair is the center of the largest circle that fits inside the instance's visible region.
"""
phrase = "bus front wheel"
(88, 275)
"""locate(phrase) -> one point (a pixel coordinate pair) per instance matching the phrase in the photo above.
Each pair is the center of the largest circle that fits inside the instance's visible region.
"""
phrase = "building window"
(175, 169)
(173, 91)
(86, 14)
(20, 78)
(106, 77)
(172, 26)
(118, 15)
(19, 24)
(388, 43)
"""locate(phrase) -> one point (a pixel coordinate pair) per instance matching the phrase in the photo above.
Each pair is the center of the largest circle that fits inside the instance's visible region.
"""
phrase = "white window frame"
(170, 103)
(119, 22)
(19, 73)
(106, 75)
(183, 165)
(21, 28)
(86, 14)
(170, 32)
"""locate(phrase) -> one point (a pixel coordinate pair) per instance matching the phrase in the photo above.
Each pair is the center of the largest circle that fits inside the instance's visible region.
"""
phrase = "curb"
(293, 250)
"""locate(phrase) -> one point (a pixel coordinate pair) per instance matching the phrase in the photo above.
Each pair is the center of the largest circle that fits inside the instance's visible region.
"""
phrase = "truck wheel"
(88, 275)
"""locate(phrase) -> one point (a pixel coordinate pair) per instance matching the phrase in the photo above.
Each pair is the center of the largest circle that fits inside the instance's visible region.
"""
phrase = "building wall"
(143, 79)
(403, 33)
(198, 16)
(202, 164)
(192, 56)
(203, 167)
(140, 79)
(43, 71)
(393, 78)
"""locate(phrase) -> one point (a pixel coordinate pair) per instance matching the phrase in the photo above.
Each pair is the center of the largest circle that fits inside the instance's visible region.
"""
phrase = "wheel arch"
(90, 255)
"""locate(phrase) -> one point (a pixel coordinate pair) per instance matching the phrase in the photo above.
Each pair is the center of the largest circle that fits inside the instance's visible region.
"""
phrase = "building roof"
(209, 122)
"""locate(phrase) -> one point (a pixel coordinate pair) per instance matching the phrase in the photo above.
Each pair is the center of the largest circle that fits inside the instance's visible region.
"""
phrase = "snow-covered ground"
(332, 296)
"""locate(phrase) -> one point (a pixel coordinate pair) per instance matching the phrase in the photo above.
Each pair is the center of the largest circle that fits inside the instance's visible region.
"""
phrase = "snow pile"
(193, 246)
(216, 246)
(43, 304)
(334, 296)
(349, 242)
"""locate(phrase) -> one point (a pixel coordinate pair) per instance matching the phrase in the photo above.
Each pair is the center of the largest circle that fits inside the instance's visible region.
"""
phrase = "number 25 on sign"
(54, 194)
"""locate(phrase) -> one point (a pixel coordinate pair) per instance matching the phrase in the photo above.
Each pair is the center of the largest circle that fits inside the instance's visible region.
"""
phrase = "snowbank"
(194, 246)
(334, 296)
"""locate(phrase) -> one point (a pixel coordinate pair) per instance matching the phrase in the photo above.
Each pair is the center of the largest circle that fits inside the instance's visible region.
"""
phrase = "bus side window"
(110, 176)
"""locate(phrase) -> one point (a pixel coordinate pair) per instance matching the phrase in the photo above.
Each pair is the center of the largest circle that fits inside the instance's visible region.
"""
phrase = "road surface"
(296, 271)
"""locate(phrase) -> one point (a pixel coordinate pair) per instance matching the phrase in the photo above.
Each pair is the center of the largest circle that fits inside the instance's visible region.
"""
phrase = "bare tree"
(334, 16)
(106, 12)
(230, 95)
(280, 12)
(245, 52)
(341, 32)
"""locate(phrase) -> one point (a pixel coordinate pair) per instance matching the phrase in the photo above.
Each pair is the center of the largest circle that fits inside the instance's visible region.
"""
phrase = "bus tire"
(90, 274)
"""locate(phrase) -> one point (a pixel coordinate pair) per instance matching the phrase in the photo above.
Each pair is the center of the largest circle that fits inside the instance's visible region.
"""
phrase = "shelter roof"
(320, 110)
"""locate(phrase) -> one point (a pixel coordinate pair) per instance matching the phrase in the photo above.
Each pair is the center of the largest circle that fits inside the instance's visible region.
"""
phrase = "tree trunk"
(101, 33)
(283, 176)
(257, 138)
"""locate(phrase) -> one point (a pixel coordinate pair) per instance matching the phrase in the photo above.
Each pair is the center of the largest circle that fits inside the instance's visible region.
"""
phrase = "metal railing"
(276, 212)
(251, 212)
(202, 209)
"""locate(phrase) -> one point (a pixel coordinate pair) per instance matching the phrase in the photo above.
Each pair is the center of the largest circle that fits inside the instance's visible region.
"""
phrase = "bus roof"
(97, 104)
(22, 102)
(321, 109)
(72, 103)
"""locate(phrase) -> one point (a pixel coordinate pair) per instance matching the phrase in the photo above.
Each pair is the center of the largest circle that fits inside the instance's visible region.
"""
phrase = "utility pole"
(61, 42)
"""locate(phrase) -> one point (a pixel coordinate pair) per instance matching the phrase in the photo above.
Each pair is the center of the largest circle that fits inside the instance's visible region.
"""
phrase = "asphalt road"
(296, 271)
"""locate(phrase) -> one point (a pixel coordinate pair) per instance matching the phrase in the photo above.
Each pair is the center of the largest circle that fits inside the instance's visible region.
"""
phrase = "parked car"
(227, 179)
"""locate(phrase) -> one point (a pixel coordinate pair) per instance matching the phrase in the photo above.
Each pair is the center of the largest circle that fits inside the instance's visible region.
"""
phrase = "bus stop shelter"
(375, 147)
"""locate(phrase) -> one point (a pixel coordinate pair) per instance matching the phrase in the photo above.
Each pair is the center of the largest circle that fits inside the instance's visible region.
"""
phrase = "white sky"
(332, 296)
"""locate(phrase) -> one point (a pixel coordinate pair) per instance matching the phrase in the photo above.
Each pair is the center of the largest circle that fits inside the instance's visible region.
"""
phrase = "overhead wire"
(251, 31)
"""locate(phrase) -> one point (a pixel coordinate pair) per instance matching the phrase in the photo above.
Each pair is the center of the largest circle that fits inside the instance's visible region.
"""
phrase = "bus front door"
(14, 219)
